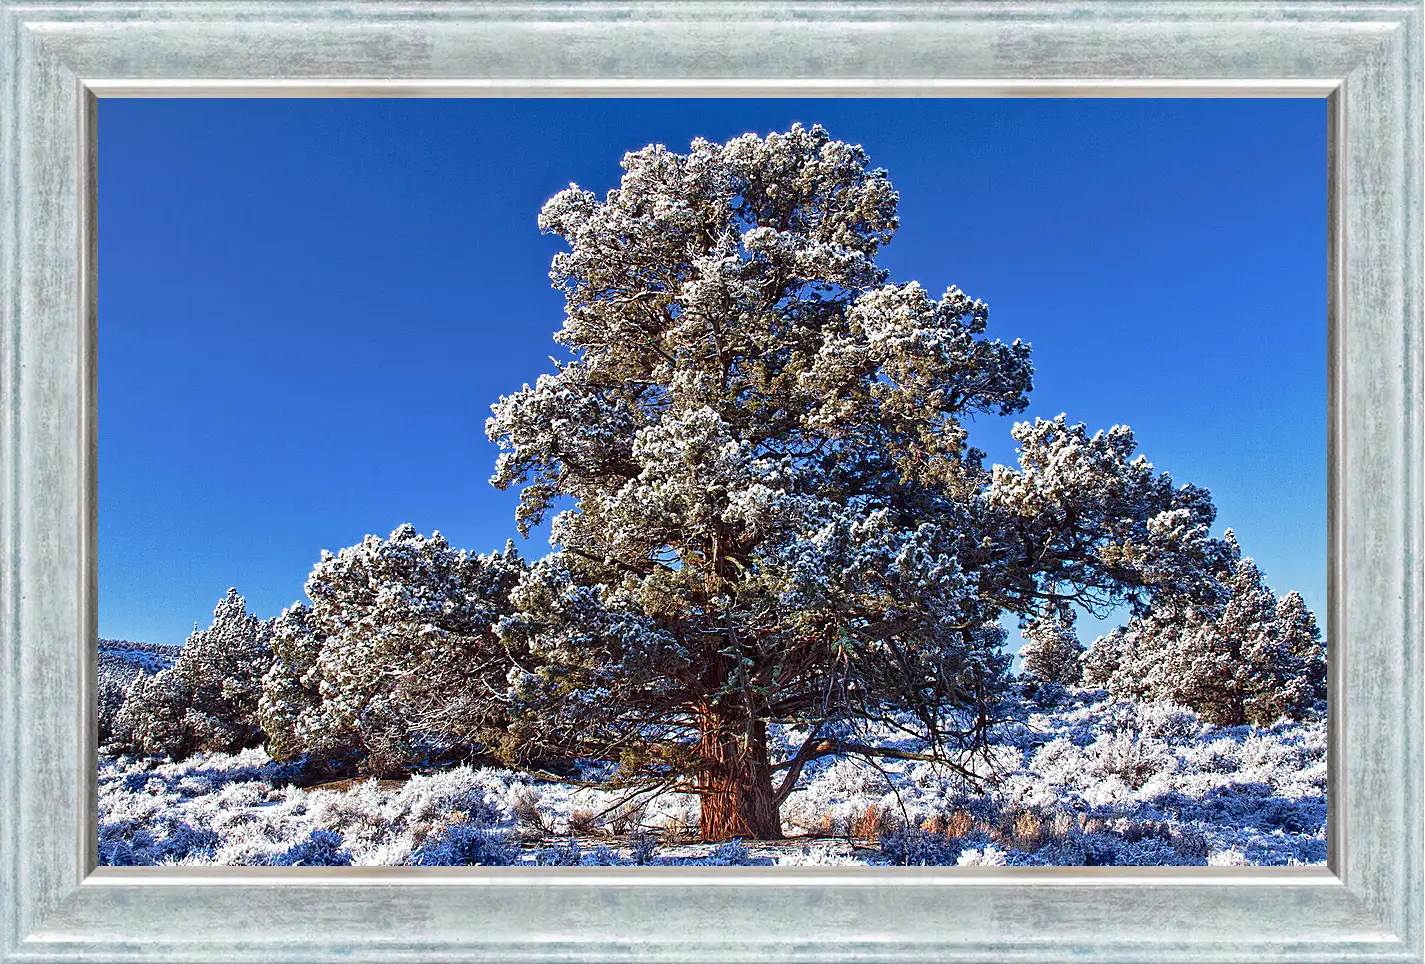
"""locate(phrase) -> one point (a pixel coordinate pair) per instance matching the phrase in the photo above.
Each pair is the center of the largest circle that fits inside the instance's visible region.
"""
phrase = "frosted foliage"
(1087, 521)
(384, 668)
(1052, 653)
(207, 700)
(776, 514)
(1247, 657)
(120, 664)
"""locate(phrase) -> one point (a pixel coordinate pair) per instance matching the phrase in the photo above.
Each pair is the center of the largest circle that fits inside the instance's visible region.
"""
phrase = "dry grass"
(1027, 832)
(681, 823)
(627, 817)
(960, 823)
(343, 785)
(583, 822)
(871, 824)
(1091, 824)
(525, 806)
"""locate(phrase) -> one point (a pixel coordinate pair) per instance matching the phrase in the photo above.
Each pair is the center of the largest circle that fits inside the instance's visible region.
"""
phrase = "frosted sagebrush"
(1067, 794)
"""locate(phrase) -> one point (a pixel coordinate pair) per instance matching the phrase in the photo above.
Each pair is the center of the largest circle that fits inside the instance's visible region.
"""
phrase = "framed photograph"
(644, 548)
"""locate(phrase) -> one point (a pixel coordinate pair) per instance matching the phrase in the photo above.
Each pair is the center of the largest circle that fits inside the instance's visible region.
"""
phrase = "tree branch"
(815, 749)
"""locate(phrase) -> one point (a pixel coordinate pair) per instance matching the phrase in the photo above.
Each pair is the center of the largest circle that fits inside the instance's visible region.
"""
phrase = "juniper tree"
(776, 516)
(1296, 626)
(207, 700)
(1246, 657)
(385, 667)
(1052, 652)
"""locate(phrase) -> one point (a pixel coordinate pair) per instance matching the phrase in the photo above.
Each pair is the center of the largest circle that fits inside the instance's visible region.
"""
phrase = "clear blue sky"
(306, 307)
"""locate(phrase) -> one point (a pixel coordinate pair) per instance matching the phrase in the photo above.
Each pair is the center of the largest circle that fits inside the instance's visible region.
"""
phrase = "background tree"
(1297, 629)
(1245, 658)
(1052, 652)
(207, 700)
(389, 667)
(776, 516)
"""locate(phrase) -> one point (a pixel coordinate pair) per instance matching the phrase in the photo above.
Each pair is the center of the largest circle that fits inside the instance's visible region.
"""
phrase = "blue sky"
(306, 307)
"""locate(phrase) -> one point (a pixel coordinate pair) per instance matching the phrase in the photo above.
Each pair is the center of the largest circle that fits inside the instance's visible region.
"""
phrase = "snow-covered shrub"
(1167, 722)
(731, 853)
(1228, 858)
(1222, 755)
(207, 700)
(987, 856)
(463, 845)
(386, 669)
(566, 854)
(817, 856)
(1133, 760)
(1059, 763)
(642, 847)
(909, 846)
(322, 848)
(600, 856)
(1191, 845)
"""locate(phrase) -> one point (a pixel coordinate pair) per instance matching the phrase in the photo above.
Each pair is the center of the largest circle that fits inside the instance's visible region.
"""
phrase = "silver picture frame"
(58, 56)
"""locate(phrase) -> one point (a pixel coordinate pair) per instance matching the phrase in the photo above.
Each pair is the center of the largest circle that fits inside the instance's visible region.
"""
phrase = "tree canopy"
(776, 516)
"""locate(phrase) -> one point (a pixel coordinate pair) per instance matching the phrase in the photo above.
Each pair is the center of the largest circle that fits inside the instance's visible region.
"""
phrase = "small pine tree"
(207, 700)
(1301, 637)
(1052, 653)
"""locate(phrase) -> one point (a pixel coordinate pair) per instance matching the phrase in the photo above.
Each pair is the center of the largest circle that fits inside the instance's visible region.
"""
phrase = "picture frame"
(1364, 57)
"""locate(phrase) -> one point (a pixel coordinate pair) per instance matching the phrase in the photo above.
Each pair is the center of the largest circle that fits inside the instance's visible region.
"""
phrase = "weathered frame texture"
(58, 56)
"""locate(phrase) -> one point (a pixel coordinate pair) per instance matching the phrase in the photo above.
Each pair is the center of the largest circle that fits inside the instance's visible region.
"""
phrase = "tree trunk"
(735, 781)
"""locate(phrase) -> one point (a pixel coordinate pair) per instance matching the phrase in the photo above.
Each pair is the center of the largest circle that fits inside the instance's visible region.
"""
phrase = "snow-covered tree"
(1102, 660)
(1296, 626)
(207, 700)
(1244, 658)
(391, 661)
(1052, 652)
(776, 515)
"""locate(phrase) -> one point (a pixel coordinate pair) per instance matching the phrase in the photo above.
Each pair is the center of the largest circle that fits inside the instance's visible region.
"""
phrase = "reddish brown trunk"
(735, 782)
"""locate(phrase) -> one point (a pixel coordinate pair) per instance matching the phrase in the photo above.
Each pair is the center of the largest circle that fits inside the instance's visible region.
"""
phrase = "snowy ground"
(1084, 781)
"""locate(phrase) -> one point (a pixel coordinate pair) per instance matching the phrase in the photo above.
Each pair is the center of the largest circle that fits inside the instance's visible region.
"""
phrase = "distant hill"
(131, 646)
(122, 661)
